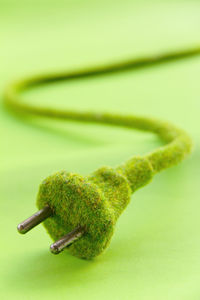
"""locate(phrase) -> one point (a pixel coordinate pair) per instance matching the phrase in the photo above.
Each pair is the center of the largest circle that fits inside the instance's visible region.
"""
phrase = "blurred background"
(154, 253)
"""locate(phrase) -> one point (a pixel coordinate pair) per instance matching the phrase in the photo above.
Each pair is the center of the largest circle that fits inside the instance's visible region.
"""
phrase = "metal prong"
(66, 240)
(34, 220)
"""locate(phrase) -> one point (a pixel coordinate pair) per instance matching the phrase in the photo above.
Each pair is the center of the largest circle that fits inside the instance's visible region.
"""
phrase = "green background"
(154, 253)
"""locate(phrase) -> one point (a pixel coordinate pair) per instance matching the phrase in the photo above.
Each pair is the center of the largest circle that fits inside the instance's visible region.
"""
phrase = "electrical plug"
(80, 213)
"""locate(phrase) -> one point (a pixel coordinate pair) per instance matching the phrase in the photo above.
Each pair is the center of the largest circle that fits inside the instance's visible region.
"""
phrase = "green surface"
(154, 253)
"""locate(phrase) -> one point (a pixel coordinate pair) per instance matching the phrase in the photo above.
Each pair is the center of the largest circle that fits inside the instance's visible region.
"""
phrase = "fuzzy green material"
(95, 202)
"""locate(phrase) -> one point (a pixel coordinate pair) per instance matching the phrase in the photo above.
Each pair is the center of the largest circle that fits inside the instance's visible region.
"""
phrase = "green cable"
(90, 206)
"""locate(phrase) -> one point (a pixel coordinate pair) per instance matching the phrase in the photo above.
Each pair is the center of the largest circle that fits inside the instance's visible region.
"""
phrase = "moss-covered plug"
(93, 202)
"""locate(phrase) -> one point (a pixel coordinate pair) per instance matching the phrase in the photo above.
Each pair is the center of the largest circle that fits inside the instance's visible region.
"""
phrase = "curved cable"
(178, 142)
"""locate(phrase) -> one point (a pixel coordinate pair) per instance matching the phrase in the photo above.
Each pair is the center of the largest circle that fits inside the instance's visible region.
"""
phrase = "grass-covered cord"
(96, 201)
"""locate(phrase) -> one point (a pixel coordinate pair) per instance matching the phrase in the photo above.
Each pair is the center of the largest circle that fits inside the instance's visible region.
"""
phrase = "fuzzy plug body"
(93, 202)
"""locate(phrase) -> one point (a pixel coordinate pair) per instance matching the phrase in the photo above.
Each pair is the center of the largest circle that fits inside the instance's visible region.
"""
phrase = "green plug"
(83, 211)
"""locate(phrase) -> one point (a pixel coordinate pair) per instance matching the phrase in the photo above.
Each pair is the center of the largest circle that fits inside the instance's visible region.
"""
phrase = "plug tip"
(21, 228)
(66, 240)
(34, 220)
(54, 249)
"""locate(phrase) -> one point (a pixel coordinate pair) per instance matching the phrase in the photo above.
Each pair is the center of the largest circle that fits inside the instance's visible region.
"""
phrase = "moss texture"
(93, 202)
(77, 201)
(96, 201)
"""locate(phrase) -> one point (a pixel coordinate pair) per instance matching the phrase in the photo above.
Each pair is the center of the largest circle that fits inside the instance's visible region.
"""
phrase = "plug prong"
(66, 240)
(34, 220)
